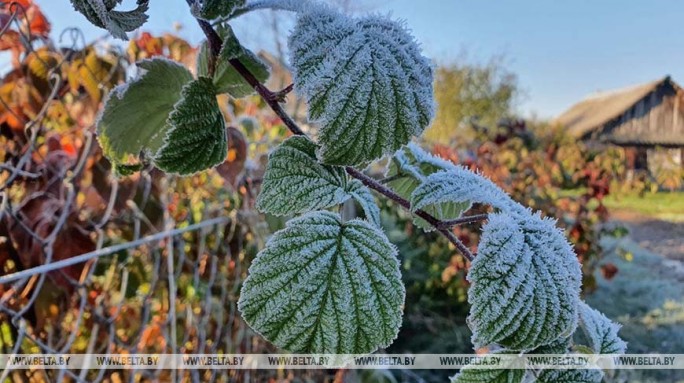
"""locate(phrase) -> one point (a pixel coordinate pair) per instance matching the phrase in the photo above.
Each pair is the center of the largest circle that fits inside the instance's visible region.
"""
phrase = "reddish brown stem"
(389, 193)
(273, 100)
(463, 220)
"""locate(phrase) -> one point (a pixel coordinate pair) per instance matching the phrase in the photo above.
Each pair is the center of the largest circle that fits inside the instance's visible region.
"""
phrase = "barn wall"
(660, 159)
(659, 115)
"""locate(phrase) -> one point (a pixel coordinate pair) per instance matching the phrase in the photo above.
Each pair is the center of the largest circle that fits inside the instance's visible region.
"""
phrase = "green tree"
(465, 92)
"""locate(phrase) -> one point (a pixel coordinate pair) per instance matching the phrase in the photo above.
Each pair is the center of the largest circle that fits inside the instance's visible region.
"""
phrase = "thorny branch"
(273, 100)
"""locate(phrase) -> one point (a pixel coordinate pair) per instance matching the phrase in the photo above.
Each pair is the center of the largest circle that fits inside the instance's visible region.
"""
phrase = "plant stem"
(463, 220)
(391, 178)
(272, 99)
(389, 193)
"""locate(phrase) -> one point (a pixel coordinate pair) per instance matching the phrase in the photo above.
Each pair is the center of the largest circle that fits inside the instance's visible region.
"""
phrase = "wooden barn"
(647, 120)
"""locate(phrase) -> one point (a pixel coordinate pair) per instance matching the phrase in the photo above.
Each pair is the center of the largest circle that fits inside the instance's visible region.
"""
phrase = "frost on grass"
(226, 79)
(295, 182)
(134, 118)
(600, 331)
(570, 376)
(324, 286)
(365, 81)
(409, 167)
(102, 14)
(197, 138)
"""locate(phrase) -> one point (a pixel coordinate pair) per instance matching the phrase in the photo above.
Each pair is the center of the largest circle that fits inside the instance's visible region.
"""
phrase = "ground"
(646, 296)
(656, 235)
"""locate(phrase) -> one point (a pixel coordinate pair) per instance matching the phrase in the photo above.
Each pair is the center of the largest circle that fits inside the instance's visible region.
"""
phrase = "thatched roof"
(602, 107)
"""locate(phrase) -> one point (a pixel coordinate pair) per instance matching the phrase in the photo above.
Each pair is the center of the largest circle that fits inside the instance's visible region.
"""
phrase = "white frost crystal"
(365, 198)
(366, 83)
(601, 331)
(525, 284)
(409, 168)
(570, 376)
(197, 137)
(325, 286)
(295, 182)
(103, 14)
(477, 374)
(525, 278)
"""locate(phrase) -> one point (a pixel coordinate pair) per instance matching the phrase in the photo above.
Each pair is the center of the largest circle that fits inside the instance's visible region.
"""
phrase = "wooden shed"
(640, 119)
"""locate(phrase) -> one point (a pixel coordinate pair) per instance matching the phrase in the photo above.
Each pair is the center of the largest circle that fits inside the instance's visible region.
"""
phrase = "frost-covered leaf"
(411, 166)
(324, 286)
(213, 9)
(601, 332)
(525, 283)
(197, 138)
(477, 374)
(295, 182)
(133, 119)
(226, 78)
(570, 376)
(460, 185)
(102, 14)
(525, 277)
(365, 81)
(365, 198)
(560, 346)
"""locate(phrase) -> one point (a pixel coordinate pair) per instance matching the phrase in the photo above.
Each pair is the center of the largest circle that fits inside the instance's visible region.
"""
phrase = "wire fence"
(94, 264)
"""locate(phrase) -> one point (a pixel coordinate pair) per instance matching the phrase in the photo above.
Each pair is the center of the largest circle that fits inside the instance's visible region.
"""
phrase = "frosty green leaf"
(570, 376)
(600, 331)
(214, 9)
(102, 14)
(365, 198)
(559, 346)
(479, 375)
(197, 138)
(409, 167)
(460, 185)
(226, 78)
(366, 83)
(524, 284)
(295, 182)
(325, 286)
(475, 374)
(133, 119)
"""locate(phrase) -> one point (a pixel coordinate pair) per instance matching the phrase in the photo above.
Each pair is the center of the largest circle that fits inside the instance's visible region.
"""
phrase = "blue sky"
(561, 50)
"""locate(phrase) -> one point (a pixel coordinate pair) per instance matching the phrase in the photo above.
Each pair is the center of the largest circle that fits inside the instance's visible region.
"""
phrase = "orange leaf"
(237, 155)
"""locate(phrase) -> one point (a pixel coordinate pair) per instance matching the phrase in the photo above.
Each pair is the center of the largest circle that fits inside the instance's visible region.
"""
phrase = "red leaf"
(609, 270)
